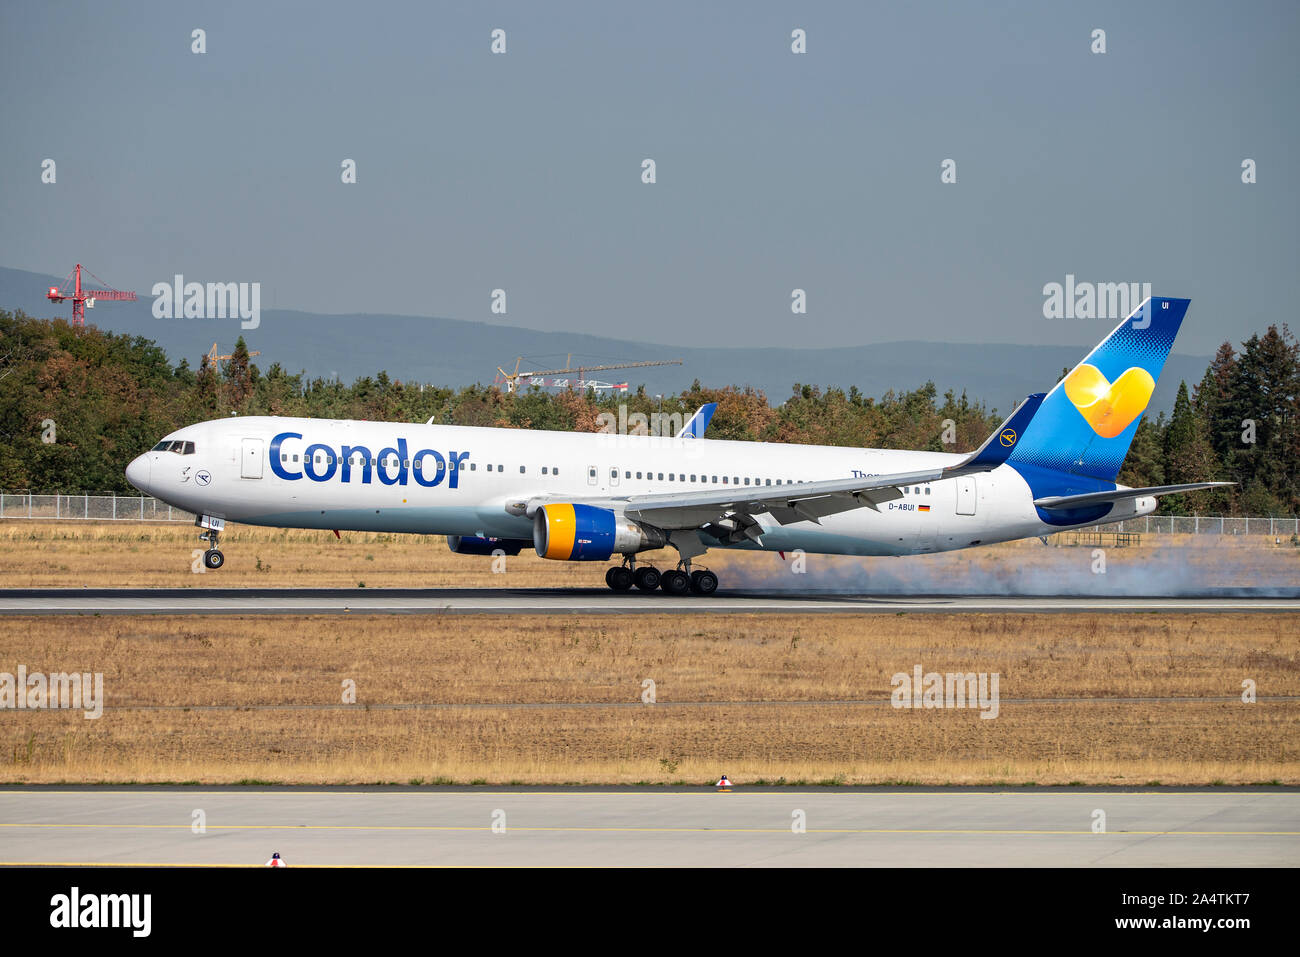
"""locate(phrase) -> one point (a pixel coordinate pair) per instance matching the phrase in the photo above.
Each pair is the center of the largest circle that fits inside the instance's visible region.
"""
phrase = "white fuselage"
(247, 470)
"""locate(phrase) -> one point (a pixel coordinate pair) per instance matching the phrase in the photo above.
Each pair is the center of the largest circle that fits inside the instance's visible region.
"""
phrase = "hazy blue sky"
(775, 170)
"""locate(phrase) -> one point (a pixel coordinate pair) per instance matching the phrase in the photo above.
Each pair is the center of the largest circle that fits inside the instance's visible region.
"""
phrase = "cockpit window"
(175, 445)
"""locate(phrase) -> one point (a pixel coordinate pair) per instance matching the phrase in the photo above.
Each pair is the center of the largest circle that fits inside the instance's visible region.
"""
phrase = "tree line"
(77, 403)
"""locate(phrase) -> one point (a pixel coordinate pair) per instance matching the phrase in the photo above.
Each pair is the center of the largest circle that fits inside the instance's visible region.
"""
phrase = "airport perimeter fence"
(138, 508)
(1207, 525)
(88, 507)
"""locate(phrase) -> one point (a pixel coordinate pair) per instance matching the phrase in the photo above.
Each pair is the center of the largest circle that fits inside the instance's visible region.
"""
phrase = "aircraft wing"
(803, 501)
(1119, 494)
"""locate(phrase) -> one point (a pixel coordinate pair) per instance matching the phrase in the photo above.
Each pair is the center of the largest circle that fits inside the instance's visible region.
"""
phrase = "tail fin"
(1087, 422)
(699, 422)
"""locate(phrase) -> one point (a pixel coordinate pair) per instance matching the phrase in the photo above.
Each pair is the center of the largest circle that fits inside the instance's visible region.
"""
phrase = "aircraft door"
(250, 459)
(966, 495)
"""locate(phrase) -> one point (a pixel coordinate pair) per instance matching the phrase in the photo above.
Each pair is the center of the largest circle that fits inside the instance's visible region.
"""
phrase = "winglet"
(997, 448)
(696, 425)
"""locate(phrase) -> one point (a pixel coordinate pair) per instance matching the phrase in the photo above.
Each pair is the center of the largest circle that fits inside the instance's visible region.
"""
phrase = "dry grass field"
(74, 554)
(503, 699)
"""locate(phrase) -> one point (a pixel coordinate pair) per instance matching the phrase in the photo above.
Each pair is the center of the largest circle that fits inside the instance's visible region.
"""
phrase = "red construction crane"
(80, 299)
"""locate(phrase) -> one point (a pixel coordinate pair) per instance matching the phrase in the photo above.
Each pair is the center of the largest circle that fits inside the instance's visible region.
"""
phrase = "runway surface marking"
(164, 601)
(643, 830)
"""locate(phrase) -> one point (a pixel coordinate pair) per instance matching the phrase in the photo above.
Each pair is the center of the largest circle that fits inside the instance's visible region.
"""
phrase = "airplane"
(598, 497)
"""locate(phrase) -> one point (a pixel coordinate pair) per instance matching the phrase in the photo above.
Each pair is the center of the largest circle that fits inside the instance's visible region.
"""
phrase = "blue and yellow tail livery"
(1086, 423)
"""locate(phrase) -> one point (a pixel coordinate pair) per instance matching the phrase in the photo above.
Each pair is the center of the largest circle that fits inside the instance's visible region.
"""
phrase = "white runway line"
(494, 601)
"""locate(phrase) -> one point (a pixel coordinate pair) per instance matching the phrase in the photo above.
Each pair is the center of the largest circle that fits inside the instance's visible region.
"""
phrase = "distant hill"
(455, 352)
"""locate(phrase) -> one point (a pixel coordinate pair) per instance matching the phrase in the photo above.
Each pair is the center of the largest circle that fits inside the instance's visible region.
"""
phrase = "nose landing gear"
(212, 558)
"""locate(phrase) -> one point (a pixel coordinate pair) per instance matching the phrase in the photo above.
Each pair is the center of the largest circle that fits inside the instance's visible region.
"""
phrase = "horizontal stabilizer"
(1119, 494)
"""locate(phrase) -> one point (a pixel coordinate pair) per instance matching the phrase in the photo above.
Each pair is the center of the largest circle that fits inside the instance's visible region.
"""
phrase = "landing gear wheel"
(619, 578)
(704, 582)
(213, 559)
(675, 582)
(647, 578)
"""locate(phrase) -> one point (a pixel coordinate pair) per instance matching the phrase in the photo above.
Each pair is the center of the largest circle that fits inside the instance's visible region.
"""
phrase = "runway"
(468, 601)
(612, 827)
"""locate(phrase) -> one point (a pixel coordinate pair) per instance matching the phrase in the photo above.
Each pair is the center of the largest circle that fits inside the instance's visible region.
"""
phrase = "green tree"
(1188, 457)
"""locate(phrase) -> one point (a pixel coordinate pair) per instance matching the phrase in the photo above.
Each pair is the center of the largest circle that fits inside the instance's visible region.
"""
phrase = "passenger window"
(692, 478)
(543, 469)
(295, 456)
(473, 467)
(521, 469)
(715, 480)
(724, 480)
(661, 476)
(746, 479)
(638, 474)
(927, 490)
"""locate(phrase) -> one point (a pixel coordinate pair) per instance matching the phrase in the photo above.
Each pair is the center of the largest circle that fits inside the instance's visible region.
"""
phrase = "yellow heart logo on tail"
(1109, 407)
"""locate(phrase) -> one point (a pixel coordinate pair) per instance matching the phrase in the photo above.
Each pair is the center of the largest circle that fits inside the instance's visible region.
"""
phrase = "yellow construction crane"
(512, 378)
(213, 358)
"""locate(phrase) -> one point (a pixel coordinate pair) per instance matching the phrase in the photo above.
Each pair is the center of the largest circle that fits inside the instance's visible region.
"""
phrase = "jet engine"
(585, 533)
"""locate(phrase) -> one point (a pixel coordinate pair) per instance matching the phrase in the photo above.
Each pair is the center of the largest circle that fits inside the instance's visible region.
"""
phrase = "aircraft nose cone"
(137, 472)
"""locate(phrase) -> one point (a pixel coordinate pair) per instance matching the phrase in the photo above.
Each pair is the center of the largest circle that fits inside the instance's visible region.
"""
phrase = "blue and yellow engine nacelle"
(586, 533)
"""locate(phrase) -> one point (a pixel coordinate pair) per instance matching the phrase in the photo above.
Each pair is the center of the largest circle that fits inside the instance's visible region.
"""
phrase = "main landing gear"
(678, 581)
(212, 558)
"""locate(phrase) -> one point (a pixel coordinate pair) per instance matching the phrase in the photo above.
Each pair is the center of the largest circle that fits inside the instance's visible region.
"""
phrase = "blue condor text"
(341, 462)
